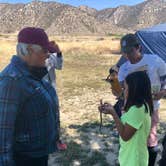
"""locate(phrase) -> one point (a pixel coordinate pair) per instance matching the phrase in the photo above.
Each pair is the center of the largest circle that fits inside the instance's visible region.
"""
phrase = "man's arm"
(121, 61)
(55, 61)
(162, 93)
(162, 74)
(9, 105)
(163, 82)
(59, 61)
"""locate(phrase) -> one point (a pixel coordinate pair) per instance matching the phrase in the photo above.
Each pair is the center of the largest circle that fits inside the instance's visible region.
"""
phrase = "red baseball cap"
(32, 35)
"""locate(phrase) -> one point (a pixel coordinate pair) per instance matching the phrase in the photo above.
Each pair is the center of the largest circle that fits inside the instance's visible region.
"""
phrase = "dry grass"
(92, 44)
(7, 49)
(68, 44)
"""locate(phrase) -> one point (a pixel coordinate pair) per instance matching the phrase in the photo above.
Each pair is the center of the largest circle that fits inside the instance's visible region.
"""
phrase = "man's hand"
(55, 46)
(159, 95)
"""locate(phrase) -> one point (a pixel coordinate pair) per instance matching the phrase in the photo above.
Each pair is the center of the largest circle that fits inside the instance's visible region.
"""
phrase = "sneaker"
(61, 146)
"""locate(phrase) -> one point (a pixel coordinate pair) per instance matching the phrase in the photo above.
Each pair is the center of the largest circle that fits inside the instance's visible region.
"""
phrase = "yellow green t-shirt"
(134, 152)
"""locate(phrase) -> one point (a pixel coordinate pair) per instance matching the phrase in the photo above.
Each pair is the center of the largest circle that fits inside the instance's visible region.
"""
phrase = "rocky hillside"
(145, 14)
(59, 18)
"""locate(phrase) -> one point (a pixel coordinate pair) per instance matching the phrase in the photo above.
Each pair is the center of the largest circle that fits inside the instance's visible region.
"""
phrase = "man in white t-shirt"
(156, 69)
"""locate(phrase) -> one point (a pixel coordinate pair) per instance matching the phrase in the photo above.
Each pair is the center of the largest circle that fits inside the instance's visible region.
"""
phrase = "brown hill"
(59, 18)
(145, 14)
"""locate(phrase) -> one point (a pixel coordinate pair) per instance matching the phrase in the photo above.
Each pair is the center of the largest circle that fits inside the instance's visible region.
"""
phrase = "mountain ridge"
(57, 18)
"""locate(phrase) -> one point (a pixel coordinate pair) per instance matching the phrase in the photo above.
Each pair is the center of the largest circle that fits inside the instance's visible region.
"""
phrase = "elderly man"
(28, 104)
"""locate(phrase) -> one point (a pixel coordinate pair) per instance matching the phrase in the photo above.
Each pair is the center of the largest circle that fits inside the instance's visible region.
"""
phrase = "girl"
(134, 126)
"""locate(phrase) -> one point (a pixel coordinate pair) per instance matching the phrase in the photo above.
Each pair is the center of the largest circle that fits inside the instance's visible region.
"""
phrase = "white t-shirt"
(153, 64)
(52, 63)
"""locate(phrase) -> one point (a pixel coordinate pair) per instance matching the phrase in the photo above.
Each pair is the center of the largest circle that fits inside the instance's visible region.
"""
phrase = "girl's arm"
(125, 130)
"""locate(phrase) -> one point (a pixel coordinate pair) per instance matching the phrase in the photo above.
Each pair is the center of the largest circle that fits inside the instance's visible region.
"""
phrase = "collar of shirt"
(20, 65)
(35, 72)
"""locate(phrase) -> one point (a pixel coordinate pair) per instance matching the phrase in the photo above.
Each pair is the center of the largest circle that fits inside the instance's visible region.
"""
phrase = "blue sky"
(98, 4)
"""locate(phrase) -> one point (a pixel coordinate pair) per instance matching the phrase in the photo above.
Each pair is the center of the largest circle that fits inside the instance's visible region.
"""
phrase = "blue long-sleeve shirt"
(28, 122)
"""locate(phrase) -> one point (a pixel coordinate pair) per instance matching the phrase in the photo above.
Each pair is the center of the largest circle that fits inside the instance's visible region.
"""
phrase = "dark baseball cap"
(128, 42)
(32, 35)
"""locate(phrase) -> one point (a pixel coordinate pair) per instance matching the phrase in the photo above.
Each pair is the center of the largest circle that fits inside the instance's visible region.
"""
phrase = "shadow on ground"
(92, 147)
